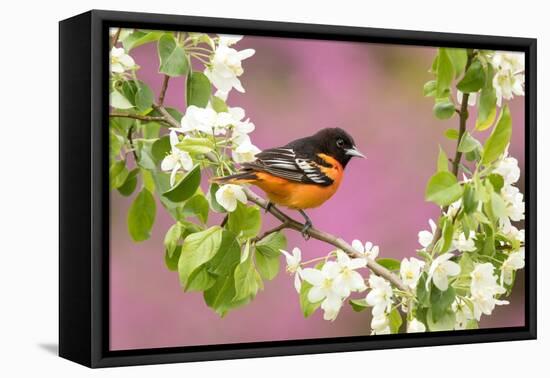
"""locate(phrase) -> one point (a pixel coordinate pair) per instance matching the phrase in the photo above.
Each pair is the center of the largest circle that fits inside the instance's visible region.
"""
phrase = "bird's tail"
(237, 178)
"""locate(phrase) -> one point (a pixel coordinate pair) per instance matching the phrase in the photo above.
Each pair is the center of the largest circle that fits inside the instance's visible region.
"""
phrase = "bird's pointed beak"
(355, 152)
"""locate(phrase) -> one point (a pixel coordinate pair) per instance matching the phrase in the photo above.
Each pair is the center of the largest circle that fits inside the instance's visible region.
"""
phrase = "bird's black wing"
(284, 162)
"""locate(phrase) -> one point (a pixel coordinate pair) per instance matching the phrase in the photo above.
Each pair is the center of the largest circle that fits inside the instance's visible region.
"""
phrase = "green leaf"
(497, 181)
(144, 96)
(220, 296)
(389, 263)
(160, 148)
(218, 104)
(173, 60)
(488, 243)
(307, 307)
(246, 281)
(245, 221)
(468, 143)
(196, 145)
(144, 153)
(442, 161)
(197, 249)
(130, 183)
(473, 79)
(117, 174)
(358, 305)
(140, 37)
(443, 189)
(469, 201)
(115, 144)
(150, 130)
(198, 89)
(141, 216)
(184, 189)
(422, 293)
(445, 73)
(498, 206)
(200, 280)
(196, 206)
(458, 58)
(446, 234)
(118, 101)
(395, 320)
(267, 254)
(172, 237)
(445, 322)
(441, 302)
(267, 266)
(499, 139)
(487, 107)
(272, 244)
(429, 89)
(171, 261)
(444, 108)
(451, 134)
(214, 205)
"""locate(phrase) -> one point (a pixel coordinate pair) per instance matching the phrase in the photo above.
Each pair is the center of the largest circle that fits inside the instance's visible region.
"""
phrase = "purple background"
(293, 88)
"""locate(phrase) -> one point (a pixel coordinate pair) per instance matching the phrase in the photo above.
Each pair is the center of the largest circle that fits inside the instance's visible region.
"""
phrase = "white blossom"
(226, 67)
(410, 271)
(228, 195)
(293, 262)
(425, 238)
(440, 271)
(176, 160)
(509, 78)
(484, 288)
(325, 288)
(463, 314)
(380, 296)
(368, 250)
(120, 61)
(380, 325)
(245, 152)
(348, 278)
(514, 207)
(515, 261)
(229, 40)
(199, 119)
(508, 168)
(464, 244)
(415, 326)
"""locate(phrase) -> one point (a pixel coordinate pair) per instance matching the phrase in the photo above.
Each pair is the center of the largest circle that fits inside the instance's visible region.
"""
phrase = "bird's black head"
(337, 143)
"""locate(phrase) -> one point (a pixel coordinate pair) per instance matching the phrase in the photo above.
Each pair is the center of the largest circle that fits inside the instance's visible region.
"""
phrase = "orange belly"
(296, 195)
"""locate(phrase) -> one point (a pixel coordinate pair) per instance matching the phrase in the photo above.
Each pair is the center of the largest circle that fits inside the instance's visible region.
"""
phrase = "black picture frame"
(84, 207)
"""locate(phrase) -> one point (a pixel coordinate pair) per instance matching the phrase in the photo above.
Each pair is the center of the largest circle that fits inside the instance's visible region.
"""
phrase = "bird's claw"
(268, 207)
(305, 230)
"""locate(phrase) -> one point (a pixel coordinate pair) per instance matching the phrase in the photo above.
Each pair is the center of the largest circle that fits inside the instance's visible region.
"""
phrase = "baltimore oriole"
(303, 174)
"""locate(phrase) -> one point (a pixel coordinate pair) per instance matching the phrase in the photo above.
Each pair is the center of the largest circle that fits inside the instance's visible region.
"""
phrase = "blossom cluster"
(229, 125)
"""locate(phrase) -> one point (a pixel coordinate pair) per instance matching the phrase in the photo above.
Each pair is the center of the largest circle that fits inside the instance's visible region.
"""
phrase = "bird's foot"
(268, 206)
(305, 230)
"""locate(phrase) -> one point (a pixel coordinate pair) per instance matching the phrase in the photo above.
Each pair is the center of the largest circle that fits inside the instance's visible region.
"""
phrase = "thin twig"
(129, 136)
(163, 89)
(293, 224)
(114, 41)
(280, 227)
(139, 116)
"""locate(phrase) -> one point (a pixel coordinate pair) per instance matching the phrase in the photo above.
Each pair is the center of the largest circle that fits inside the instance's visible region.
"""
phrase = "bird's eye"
(340, 143)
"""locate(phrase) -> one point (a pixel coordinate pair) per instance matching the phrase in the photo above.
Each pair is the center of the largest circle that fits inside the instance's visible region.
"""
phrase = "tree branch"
(139, 117)
(163, 89)
(463, 117)
(293, 224)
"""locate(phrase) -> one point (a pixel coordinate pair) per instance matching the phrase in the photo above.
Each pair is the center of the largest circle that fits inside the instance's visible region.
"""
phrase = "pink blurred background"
(293, 88)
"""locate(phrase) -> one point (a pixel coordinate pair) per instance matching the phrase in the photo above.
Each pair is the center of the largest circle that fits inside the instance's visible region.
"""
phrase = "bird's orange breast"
(297, 195)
